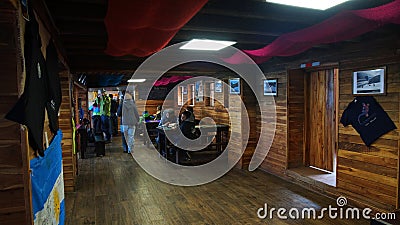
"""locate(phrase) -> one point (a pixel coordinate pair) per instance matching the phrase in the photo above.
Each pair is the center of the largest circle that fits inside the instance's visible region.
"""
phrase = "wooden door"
(321, 119)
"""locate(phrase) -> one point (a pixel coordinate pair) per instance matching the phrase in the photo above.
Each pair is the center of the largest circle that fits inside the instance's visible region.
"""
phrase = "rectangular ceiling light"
(136, 80)
(319, 4)
(205, 44)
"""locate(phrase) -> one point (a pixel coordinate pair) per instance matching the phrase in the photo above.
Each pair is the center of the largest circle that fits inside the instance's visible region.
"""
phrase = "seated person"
(168, 117)
(145, 117)
(187, 128)
(191, 118)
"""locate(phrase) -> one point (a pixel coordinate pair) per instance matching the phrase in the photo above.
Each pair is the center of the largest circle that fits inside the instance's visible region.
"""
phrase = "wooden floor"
(115, 190)
(318, 175)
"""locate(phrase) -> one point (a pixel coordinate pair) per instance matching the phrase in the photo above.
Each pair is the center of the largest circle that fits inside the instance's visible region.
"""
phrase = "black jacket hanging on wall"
(29, 110)
(54, 87)
(368, 118)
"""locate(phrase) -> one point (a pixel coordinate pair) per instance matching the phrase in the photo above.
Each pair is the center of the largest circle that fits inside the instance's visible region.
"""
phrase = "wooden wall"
(218, 112)
(253, 112)
(65, 123)
(370, 175)
(15, 204)
(236, 129)
(149, 105)
(276, 160)
(80, 92)
(295, 120)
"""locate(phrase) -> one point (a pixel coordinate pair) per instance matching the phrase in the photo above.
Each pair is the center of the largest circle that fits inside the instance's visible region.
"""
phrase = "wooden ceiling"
(252, 23)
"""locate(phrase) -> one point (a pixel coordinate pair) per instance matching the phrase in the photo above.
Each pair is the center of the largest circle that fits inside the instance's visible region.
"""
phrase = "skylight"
(205, 44)
(312, 4)
(136, 80)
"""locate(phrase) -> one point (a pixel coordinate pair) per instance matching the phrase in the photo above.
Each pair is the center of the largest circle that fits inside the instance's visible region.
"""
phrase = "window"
(211, 94)
(180, 95)
(191, 95)
(209, 88)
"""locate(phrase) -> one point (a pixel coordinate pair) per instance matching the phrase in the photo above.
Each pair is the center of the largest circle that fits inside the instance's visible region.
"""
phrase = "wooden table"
(220, 137)
(151, 128)
(163, 141)
(219, 130)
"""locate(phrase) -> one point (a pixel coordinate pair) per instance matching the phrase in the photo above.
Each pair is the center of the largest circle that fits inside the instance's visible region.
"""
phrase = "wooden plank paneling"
(364, 173)
(370, 172)
(296, 118)
(149, 105)
(253, 112)
(15, 207)
(276, 160)
(398, 166)
(65, 123)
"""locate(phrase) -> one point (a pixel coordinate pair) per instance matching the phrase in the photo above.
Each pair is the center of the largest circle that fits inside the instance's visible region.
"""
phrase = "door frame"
(290, 164)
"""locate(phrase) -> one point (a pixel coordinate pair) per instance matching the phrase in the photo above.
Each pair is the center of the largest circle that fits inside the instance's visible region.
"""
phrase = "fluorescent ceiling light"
(136, 80)
(312, 4)
(204, 44)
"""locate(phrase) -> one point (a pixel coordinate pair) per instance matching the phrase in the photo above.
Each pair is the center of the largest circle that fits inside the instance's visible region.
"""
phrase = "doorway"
(313, 123)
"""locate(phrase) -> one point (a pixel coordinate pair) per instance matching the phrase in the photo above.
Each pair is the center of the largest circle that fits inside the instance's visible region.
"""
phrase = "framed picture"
(234, 83)
(369, 82)
(271, 87)
(184, 90)
(218, 86)
(199, 91)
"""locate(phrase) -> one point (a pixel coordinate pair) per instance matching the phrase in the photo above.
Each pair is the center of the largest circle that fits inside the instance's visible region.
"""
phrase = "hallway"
(115, 190)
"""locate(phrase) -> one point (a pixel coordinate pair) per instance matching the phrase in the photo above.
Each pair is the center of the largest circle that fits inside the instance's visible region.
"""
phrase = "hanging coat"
(53, 87)
(29, 109)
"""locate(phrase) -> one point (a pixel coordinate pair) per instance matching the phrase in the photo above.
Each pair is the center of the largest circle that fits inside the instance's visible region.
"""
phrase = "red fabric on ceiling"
(169, 80)
(342, 26)
(144, 27)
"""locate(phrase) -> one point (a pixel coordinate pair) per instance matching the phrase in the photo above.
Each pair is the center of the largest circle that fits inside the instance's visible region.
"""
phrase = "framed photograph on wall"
(218, 86)
(369, 82)
(184, 90)
(234, 85)
(271, 87)
(199, 91)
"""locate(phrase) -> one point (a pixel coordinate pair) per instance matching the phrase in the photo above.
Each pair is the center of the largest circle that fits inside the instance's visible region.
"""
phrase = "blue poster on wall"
(48, 185)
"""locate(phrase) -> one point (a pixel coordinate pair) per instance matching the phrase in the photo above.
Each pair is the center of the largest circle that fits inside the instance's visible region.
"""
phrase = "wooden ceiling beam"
(78, 11)
(79, 46)
(232, 30)
(262, 10)
(83, 28)
(238, 37)
(100, 64)
(98, 29)
(266, 15)
(80, 2)
(223, 22)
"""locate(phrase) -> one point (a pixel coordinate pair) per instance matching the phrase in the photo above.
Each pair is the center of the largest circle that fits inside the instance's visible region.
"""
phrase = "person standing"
(157, 116)
(105, 106)
(96, 115)
(113, 116)
(128, 122)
